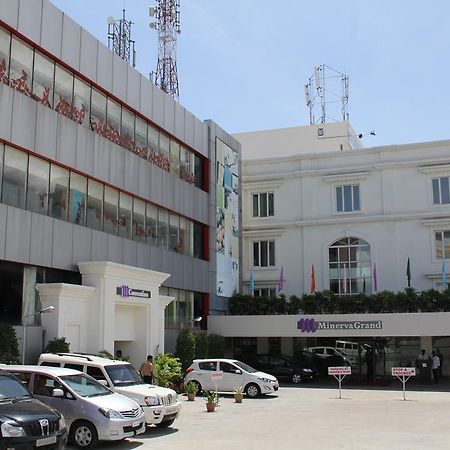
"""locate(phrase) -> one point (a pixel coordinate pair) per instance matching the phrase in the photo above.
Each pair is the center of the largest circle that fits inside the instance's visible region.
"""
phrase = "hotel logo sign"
(126, 291)
(312, 325)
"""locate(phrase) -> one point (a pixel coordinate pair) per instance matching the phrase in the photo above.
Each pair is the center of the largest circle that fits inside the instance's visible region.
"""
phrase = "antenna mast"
(167, 15)
(323, 89)
(119, 38)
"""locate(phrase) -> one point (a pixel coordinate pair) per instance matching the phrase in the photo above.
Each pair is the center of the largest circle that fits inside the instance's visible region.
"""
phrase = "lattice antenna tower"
(326, 95)
(119, 38)
(167, 15)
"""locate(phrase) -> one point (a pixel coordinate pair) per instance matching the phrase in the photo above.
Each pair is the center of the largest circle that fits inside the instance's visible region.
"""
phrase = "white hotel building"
(312, 196)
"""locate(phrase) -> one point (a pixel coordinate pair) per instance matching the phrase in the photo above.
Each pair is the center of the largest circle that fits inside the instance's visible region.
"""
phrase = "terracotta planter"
(238, 397)
(210, 407)
(191, 397)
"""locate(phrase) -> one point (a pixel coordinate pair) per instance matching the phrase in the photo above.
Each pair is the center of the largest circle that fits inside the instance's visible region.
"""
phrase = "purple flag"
(281, 281)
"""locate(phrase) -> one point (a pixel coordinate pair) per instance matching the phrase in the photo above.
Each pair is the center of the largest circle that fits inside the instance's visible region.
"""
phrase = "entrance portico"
(117, 307)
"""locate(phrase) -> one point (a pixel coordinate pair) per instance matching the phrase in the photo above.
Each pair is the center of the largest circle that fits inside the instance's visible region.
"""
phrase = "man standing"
(147, 370)
(435, 364)
(441, 361)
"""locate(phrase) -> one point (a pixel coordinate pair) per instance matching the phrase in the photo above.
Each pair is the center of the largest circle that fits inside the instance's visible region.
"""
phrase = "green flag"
(408, 272)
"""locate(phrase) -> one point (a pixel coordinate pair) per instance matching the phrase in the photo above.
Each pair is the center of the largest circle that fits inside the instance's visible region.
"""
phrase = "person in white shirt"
(435, 363)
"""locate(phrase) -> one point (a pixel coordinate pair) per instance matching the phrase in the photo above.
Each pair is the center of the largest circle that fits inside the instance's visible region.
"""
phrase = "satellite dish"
(152, 25)
(111, 20)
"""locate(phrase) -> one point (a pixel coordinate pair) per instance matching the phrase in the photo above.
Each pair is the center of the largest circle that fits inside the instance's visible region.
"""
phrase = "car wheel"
(252, 390)
(165, 424)
(297, 378)
(83, 434)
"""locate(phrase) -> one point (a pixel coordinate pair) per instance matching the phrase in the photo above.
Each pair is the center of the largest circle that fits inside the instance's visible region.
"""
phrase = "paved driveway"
(305, 417)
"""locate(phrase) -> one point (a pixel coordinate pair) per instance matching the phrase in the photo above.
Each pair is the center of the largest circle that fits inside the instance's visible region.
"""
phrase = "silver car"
(92, 411)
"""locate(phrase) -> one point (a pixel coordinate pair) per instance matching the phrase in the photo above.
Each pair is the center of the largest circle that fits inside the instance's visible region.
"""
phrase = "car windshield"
(85, 386)
(10, 389)
(245, 367)
(123, 375)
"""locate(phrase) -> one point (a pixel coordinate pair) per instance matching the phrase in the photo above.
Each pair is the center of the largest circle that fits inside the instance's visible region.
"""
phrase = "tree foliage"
(58, 345)
(186, 347)
(216, 344)
(9, 347)
(167, 370)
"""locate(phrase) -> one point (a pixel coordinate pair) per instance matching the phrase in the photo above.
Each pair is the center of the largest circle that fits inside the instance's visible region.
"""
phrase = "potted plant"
(238, 394)
(191, 389)
(211, 400)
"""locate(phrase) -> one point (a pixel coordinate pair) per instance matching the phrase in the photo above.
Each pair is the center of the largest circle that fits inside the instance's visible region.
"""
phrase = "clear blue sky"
(244, 63)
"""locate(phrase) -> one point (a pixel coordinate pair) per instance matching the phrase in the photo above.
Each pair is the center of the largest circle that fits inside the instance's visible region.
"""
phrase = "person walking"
(435, 364)
(146, 370)
(441, 361)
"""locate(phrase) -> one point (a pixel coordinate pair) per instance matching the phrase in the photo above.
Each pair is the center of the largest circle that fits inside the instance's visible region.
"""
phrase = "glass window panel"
(348, 198)
(174, 223)
(185, 164)
(20, 66)
(163, 227)
(114, 120)
(333, 254)
(5, 43)
(447, 244)
(127, 131)
(125, 209)
(94, 212)
(353, 253)
(139, 220)
(98, 111)
(151, 226)
(271, 253)
(63, 91)
(436, 196)
(255, 205)
(110, 208)
(14, 177)
(81, 102)
(153, 139)
(264, 255)
(343, 254)
(445, 194)
(334, 271)
(183, 238)
(339, 205)
(438, 244)
(256, 254)
(164, 148)
(198, 171)
(356, 206)
(271, 204)
(141, 137)
(174, 158)
(334, 286)
(198, 240)
(77, 199)
(59, 191)
(263, 205)
(37, 189)
(44, 72)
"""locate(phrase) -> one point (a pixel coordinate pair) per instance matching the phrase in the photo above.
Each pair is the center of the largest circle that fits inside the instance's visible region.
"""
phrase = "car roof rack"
(76, 355)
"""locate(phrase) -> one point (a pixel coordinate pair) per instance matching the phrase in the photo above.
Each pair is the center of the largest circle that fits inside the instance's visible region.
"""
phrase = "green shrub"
(185, 347)
(58, 345)
(201, 345)
(216, 344)
(167, 370)
(9, 348)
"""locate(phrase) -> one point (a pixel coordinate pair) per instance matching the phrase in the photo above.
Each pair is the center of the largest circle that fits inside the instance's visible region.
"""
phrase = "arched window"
(350, 267)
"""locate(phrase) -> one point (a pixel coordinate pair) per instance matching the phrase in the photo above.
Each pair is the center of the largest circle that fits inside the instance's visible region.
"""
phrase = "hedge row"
(326, 302)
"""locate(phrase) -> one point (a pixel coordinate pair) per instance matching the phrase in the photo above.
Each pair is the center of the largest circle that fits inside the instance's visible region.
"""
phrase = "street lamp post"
(193, 322)
(46, 310)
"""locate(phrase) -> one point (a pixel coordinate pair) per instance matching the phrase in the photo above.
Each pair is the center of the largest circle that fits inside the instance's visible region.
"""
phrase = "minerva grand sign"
(312, 325)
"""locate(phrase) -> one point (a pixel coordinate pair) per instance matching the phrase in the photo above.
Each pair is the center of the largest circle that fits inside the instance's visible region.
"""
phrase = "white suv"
(226, 375)
(160, 405)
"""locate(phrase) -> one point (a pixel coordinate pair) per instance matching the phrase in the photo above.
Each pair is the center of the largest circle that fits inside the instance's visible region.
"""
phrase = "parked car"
(282, 367)
(328, 357)
(229, 375)
(92, 411)
(161, 406)
(25, 422)
(352, 349)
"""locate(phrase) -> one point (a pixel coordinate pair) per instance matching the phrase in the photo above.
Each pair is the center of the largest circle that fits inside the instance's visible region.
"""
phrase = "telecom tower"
(119, 38)
(167, 15)
(327, 90)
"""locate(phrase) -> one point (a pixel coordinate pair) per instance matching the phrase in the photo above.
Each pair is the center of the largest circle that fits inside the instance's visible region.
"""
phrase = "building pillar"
(287, 346)
(426, 342)
(262, 345)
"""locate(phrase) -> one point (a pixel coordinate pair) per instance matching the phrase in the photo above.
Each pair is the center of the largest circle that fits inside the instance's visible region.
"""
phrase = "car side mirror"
(57, 393)
(238, 372)
(103, 382)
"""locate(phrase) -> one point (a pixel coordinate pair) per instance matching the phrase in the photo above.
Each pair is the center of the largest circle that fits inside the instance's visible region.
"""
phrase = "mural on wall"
(227, 219)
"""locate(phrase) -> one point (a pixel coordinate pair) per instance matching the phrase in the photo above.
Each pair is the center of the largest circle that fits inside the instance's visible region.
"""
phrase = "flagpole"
(444, 269)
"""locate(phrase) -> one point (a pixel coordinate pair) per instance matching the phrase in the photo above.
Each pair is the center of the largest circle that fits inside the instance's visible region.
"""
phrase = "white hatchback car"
(226, 375)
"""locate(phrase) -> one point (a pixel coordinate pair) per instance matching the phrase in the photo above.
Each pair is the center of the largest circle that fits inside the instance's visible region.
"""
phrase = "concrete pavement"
(304, 417)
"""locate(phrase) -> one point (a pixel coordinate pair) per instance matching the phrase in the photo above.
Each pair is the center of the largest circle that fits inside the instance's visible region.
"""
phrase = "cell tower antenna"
(167, 15)
(327, 92)
(119, 38)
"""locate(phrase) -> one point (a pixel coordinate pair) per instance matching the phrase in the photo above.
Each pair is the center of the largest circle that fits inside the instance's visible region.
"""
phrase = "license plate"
(136, 424)
(46, 441)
